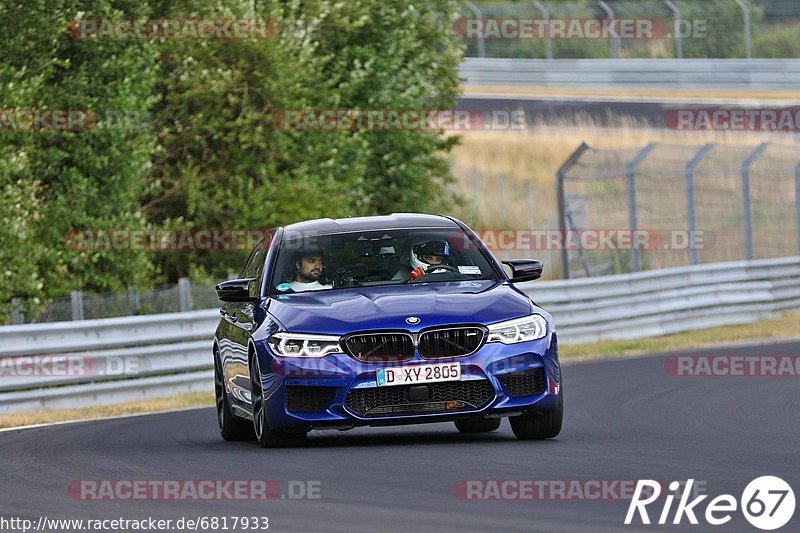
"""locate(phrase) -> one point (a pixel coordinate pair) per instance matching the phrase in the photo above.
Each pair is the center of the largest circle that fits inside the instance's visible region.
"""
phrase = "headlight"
(528, 328)
(301, 345)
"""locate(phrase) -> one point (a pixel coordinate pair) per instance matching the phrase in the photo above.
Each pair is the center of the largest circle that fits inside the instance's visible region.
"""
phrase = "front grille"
(308, 399)
(527, 383)
(450, 342)
(446, 396)
(380, 347)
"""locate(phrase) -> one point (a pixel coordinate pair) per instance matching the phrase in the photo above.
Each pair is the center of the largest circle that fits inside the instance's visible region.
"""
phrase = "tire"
(478, 425)
(265, 436)
(230, 427)
(539, 426)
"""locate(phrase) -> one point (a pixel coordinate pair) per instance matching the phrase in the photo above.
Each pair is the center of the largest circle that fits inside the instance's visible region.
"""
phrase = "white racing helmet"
(418, 251)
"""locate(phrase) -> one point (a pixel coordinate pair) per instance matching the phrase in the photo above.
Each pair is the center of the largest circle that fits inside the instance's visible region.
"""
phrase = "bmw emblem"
(412, 320)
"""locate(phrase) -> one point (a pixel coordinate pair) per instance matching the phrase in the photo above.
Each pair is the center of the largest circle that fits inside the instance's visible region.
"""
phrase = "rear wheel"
(266, 437)
(230, 427)
(539, 426)
(478, 425)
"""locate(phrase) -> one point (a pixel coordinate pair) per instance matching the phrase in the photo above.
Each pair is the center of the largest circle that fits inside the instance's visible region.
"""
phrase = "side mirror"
(524, 269)
(235, 290)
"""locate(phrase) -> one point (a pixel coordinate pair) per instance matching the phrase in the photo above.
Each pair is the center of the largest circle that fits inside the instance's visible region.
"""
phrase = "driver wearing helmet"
(426, 255)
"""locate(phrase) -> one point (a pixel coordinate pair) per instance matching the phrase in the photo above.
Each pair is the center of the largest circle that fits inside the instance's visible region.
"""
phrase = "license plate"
(405, 375)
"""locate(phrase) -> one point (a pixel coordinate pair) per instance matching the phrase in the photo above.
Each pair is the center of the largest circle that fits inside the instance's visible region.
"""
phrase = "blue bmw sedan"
(401, 319)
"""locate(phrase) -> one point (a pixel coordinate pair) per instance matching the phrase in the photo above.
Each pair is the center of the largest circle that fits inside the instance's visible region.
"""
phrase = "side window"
(255, 264)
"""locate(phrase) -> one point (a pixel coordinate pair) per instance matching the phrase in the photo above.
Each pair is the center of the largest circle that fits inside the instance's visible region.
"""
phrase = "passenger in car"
(309, 267)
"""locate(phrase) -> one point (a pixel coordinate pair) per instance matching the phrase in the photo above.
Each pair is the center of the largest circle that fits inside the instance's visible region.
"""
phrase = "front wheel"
(266, 437)
(539, 426)
(230, 427)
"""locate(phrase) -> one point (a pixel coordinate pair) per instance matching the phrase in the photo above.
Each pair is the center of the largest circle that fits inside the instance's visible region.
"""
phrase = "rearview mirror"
(235, 290)
(524, 269)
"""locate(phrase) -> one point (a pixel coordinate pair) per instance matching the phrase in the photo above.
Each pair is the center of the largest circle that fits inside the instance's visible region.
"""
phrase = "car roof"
(324, 226)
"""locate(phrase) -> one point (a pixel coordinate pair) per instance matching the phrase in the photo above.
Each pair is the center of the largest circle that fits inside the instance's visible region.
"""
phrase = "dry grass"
(144, 406)
(783, 328)
(536, 155)
(528, 161)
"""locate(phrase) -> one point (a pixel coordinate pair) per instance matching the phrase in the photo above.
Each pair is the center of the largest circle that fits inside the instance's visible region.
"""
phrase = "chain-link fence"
(501, 207)
(172, 298)
(682, 28)
(667, 205)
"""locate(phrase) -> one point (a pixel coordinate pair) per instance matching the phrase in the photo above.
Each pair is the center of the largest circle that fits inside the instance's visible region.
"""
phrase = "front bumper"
(339, 392)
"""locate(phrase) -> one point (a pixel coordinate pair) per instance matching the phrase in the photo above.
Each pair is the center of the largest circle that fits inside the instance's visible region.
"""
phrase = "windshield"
(377, 258)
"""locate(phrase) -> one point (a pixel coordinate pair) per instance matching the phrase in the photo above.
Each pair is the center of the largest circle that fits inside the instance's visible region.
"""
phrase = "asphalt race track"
(625, 420)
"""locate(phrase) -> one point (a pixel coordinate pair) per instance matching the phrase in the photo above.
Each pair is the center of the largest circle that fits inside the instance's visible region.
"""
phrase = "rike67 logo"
(767, 503)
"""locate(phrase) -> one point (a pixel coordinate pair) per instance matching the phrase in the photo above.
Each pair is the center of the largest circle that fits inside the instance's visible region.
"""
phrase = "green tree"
(221, 161)
(90, 178)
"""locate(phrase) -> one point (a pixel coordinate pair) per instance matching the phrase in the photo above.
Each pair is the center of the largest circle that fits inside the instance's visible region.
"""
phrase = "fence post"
(614, 41)
(797, 202)
(690, 204)
(748, 39)
(77, 305)
(184, 295)
(16, 311)
(633, 167)
(676, 12)
(475, 196)
(501, 194)
(748, 208)
(548, 40)
(529, 203)
(134, 301)
(562, 205)
(477, 12)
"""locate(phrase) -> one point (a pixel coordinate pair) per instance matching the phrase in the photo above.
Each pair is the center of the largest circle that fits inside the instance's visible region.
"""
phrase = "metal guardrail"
(172, 352)
(754, 74)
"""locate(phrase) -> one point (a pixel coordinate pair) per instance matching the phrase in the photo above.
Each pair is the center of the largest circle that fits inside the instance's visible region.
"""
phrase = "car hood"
(342, 311)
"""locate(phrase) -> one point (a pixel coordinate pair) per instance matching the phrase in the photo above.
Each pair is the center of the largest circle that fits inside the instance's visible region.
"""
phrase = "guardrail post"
(478, 14)
(16, 311)
(797, 202)
(748, 208)
(614, 41)
(690, 204)
(633, 167)
(77, 305)
(748, 38)
(676, 12)
(184, 295)
(562, 205)
(548, 40)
